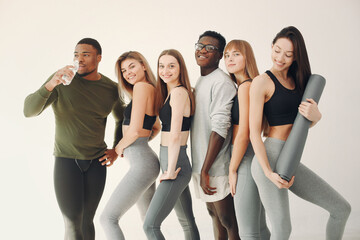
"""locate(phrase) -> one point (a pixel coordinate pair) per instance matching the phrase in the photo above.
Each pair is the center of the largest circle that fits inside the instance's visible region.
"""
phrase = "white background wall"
(38, 37)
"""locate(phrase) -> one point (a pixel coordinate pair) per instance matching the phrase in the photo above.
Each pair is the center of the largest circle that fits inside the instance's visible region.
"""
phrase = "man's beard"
(85, 74)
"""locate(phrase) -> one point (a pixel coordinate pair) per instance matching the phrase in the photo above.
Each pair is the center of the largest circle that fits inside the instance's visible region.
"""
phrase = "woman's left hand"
(310, 110)
(232, 182)
(119, 151)
(169, 176)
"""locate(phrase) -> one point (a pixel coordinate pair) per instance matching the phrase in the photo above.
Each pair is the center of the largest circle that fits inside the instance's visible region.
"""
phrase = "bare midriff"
(280, 132)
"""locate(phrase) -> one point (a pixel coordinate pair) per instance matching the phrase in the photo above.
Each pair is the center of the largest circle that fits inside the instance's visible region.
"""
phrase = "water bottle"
(74, 69)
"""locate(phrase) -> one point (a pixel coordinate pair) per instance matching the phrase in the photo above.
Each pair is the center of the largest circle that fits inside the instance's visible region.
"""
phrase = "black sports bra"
(165, 117)
(148, 120)
(235, 107)
(282, 107)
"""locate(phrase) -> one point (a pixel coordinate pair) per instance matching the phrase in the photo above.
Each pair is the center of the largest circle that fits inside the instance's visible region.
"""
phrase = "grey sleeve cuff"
(221, 122)
(220, 107)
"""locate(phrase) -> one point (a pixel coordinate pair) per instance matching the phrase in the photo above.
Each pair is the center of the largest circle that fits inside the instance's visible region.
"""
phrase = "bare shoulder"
(179, 94)
(143, 87)
(179, 90)
(262, 81)
(243, 92)
(244, 87)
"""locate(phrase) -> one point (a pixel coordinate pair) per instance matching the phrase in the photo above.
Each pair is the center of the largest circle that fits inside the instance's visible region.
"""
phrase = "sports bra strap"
(247, 80)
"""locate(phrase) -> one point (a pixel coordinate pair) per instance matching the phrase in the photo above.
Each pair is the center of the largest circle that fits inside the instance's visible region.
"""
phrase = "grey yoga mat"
(290, 155)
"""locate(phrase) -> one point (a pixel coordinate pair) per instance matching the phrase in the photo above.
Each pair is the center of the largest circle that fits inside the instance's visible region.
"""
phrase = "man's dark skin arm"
(214, 147)
(110, 155)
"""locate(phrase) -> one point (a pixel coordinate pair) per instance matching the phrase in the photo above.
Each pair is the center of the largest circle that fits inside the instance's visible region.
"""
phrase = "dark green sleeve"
(38, 101)
(118, 114)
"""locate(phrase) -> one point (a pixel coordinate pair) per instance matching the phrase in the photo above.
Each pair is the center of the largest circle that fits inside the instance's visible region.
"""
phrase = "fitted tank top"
(282, 107)
(148, 120)
(165, 117)
(235, 107)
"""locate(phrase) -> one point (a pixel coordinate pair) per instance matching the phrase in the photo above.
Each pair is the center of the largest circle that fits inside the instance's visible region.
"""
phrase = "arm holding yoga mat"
(290, 155)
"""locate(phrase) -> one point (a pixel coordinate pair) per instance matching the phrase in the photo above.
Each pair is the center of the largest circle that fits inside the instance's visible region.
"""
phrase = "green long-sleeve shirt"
(81, 111)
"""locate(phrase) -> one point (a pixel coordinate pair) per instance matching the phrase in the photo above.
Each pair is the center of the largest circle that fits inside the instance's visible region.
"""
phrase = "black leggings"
(79, 185)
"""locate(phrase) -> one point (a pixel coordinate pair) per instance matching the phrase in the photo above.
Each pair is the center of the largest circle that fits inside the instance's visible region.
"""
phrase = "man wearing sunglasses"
(211, 135)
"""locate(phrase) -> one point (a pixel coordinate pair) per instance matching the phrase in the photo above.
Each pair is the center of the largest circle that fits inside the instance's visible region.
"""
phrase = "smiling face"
(234, 61)
(88, 59)
(282, 54)
(207, 59)
(169, 69)
(132, 71)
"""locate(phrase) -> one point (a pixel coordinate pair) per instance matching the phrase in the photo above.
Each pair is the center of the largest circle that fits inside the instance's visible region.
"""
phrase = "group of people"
(226, 115)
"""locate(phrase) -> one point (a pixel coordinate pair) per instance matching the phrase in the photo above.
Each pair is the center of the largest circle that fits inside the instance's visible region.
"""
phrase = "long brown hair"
(123, 84)
(161, 88)
(245, 49)
(300, 68)
(251, 69)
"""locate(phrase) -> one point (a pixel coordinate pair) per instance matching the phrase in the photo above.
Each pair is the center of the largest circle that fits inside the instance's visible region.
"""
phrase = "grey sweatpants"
(172, 194)
(137, 186)
(250, 213)
(308, 186)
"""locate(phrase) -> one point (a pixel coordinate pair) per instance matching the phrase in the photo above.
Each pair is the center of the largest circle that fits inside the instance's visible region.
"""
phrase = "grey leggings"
(250, 213)
(137, 186)
(308, 186)
(172, 194)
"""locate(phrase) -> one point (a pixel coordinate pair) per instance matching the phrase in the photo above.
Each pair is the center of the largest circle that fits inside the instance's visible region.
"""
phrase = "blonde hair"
(123, 84)
(161, 88)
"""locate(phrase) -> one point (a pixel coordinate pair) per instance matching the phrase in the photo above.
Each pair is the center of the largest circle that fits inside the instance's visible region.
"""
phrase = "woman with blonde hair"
(175, 105)
(241, 65)
(139, 125)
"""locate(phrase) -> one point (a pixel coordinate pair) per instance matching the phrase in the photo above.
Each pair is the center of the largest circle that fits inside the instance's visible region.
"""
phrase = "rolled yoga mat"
(290, 155)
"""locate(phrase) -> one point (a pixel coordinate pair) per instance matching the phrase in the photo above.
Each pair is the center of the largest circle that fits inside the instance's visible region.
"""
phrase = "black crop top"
(282, 107)
(235, 107)
(165, 117)
(148, 120)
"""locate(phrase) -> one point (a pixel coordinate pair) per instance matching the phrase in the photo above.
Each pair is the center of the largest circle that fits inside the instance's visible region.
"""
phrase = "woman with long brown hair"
(175, 106)
(277, 94)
